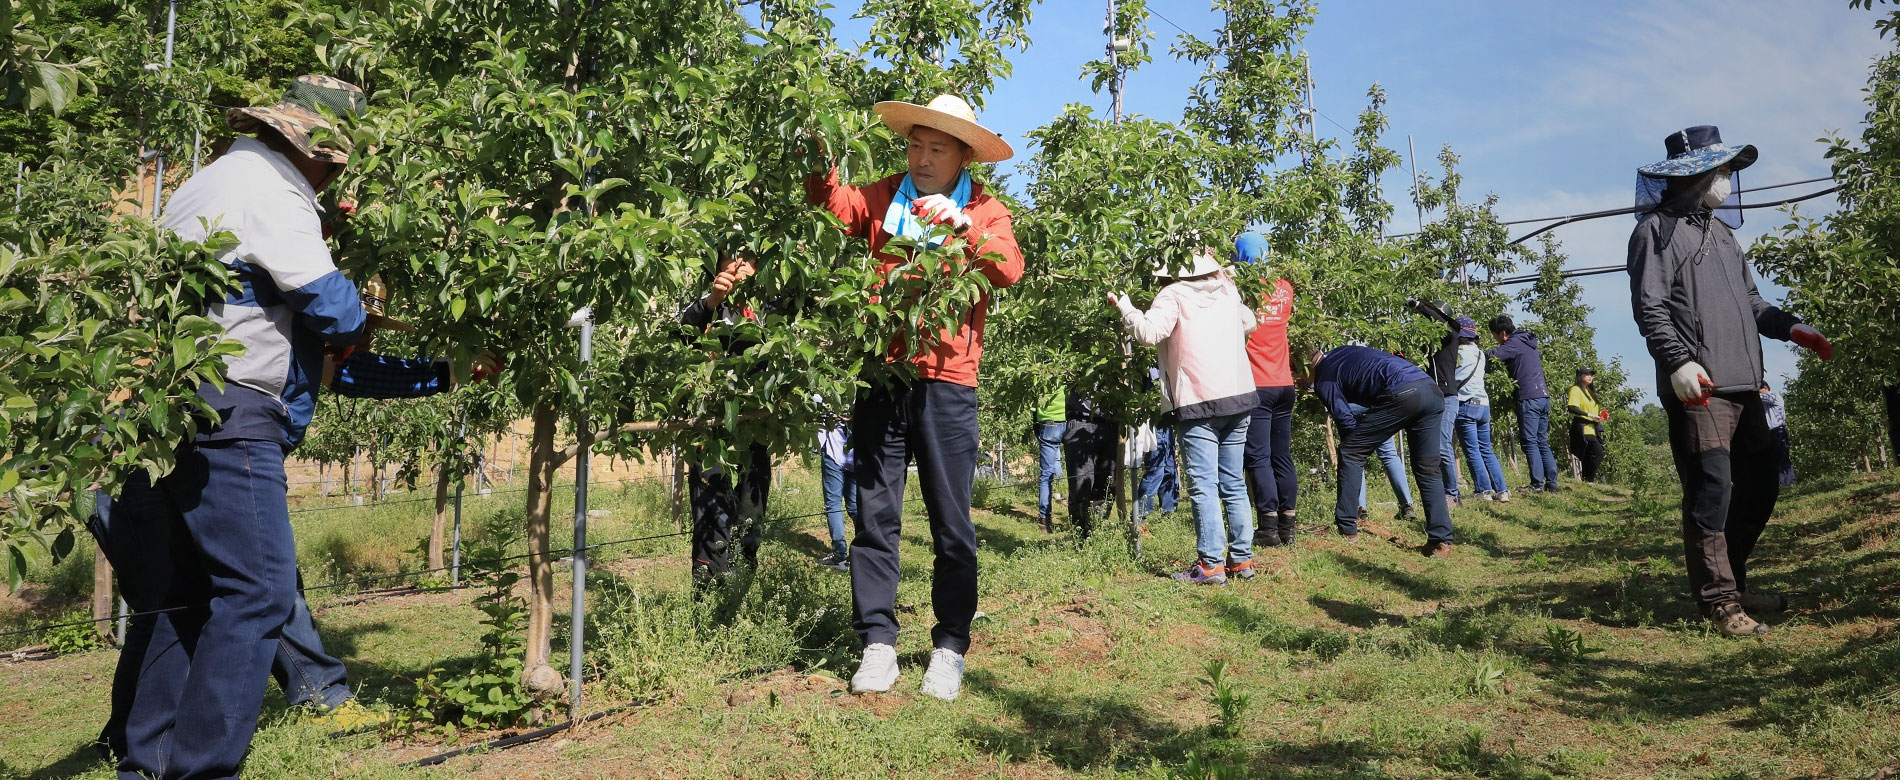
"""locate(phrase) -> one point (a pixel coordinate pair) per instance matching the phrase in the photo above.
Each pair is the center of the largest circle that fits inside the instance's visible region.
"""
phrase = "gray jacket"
(1695, 299)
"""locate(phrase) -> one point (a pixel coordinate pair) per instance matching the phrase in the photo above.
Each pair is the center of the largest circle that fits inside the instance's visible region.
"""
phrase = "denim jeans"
(841, 497)
(1474, 429)
(1394, 472)
(1449, 467)
(304, 670)
(1160, 479)
(1533, 431)
(1415, 409)
(1049, 460)
(213, 537)
(1215, 450)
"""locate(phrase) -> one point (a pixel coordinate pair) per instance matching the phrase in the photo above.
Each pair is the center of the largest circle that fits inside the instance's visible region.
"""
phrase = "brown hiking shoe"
(1436, 549)
(1734, 622)
(1763, 602)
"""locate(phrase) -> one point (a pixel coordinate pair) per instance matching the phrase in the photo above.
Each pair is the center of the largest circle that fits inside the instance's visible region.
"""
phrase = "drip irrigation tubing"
(522, 739)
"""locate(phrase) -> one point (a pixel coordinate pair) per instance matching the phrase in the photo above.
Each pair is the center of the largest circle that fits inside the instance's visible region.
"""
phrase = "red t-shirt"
(1266, 346)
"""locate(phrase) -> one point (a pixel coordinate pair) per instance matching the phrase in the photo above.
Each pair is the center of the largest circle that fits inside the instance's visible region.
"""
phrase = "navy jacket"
(1520, 357)
(1360, 375)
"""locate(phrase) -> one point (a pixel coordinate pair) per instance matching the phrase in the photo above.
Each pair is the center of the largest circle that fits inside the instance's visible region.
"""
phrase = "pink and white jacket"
(1200, 327)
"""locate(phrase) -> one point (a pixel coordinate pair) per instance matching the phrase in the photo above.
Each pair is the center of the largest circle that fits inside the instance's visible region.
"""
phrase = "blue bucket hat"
(1467, 328)
(1696, 150)
(1250, 248)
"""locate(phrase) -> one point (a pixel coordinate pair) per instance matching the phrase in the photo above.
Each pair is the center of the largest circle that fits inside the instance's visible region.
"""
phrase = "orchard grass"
(1552, 643)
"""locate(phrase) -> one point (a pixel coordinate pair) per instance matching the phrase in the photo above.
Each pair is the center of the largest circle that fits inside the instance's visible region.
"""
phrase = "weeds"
(1230, 702)
(1567, 646)
(74, 639)
(1488, 679)
(488, 693)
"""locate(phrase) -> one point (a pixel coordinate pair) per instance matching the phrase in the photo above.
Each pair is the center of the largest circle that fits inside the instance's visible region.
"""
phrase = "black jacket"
(1695, 300)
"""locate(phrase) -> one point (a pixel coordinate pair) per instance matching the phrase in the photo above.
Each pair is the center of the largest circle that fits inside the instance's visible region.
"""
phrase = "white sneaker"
(878, 671)
(944, 678)
(1504, 497)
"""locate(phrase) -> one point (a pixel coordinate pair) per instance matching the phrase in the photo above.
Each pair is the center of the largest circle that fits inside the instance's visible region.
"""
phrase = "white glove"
(1692, 385)
(1121, 302)
(940, 210)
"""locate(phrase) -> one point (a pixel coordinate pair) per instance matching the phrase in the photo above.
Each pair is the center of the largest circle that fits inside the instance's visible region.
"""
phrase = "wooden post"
(102, 593)
(679, 490)
(443, 475)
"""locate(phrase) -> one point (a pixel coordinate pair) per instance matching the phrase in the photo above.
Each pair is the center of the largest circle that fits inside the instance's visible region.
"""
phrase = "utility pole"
(1411, 156)
(1115, 47)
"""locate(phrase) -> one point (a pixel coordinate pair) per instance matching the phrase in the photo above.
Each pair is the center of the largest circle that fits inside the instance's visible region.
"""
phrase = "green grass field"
(1557, 641)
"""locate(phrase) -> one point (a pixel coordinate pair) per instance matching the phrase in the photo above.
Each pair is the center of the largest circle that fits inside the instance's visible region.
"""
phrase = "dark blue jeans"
(841, 497)
(1160, 479)
(1270, 475)
(213, 537)
(1416, 409)
(304, 670)
(935, 424)
(1533, 431)
(1049, 462)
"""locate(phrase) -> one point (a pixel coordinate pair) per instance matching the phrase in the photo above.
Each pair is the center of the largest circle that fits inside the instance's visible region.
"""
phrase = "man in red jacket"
(931, 416)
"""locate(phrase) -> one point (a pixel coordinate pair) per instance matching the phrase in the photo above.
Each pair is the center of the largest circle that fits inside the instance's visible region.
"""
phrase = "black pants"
(1270, 475)
(1588, 449)
(721, 504)
(935, 424)
(1725, 458)
(1416, 409)
(1089, 447)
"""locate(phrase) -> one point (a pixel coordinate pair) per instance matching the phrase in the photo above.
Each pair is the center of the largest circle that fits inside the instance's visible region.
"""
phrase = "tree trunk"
(1332, 447)
(436, 531)
(349, 465)
(537, 677)
(102, 593)
(679, 491)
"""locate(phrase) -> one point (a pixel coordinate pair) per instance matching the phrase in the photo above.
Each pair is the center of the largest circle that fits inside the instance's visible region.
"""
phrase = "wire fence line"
(490, 564)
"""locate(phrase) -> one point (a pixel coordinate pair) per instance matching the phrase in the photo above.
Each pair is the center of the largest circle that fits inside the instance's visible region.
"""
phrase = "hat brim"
(902, 117)
(1202, 266)
(1702, 161)
(294, 123)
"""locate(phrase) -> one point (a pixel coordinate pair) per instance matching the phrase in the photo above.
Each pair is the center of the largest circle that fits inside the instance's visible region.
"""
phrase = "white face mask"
(1719, 188)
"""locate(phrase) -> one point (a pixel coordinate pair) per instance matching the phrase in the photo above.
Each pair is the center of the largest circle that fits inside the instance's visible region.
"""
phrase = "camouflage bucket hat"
(303, 109)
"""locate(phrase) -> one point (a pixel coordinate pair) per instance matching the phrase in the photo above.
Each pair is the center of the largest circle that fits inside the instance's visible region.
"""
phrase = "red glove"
(1808, 337)
(339, 355)
(1604, 415)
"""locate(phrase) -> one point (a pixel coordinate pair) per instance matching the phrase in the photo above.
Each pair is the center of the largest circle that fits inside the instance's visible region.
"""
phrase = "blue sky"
(1551, 106)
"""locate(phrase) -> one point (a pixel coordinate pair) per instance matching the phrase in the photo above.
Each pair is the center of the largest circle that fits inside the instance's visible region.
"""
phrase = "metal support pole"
(578, 619)
(158, 175)
(1411, 156)
(455, 543)
(125, 612)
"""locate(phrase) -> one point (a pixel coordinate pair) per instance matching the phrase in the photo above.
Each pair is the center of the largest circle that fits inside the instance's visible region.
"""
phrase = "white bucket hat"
(950, 114)
(1202, 263)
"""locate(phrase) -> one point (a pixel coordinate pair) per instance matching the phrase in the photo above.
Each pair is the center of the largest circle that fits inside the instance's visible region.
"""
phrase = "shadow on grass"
(1413, 586)
(1094, 733)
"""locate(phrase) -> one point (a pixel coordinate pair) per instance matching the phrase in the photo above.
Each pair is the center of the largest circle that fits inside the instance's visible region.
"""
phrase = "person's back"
(1470, 387)
(1525, 363)
(1360, 375)
(1203, 348)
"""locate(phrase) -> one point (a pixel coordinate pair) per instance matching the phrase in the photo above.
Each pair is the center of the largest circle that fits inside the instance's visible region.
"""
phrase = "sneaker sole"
(857, 689)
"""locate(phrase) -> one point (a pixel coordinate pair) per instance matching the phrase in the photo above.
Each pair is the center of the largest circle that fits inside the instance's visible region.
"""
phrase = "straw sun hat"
(949, 114)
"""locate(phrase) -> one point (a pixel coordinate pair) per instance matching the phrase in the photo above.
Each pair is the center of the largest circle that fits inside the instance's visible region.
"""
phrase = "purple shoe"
(1199, 574)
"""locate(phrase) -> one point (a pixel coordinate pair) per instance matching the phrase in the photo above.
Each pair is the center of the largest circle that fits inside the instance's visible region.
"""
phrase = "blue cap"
(1250, 247)
(1467, 328)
